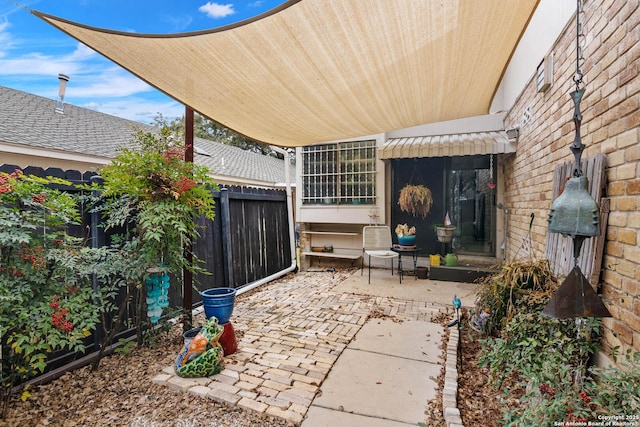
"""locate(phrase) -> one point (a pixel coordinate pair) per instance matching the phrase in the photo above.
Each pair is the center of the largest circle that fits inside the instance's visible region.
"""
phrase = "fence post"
(97, 241)
(227, 255)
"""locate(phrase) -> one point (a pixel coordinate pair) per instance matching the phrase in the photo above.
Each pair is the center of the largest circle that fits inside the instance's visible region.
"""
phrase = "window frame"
(342, 173)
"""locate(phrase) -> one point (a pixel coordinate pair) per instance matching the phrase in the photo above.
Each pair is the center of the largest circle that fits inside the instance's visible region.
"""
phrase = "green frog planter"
(202, 357)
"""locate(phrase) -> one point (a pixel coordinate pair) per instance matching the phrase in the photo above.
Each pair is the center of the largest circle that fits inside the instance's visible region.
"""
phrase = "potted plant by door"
(445, 234)
(445, 231)
(406, 235)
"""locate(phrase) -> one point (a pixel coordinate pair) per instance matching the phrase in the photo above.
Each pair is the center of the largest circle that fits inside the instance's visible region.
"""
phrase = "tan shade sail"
(464, 144)
(321, 70)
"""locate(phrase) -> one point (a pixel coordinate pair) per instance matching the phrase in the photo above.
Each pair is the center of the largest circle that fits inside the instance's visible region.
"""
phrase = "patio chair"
(376, 243)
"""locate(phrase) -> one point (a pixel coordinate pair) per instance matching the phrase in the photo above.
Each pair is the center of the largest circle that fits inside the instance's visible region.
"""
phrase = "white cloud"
(38, 64)
(215, 10)
(91, 105)
(5, 37)
(116, 92)
(138, 109)
(82, 52)
(112, 83)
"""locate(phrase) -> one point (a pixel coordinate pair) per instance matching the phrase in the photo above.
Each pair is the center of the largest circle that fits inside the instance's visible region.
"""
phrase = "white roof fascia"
(484, 123)
(52, 154)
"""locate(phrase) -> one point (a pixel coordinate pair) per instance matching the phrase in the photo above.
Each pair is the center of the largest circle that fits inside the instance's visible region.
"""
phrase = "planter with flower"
(445, 231)
(406, 235)
(155, 196)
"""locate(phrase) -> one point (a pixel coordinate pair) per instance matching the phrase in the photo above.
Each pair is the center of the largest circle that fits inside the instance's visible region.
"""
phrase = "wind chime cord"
(491, 167)
(578, 78)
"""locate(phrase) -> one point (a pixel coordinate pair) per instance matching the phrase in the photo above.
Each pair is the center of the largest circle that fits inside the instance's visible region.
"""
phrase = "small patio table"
(404, 250)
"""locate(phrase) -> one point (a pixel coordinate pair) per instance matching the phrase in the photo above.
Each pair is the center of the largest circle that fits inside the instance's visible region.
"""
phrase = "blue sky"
(33, 53)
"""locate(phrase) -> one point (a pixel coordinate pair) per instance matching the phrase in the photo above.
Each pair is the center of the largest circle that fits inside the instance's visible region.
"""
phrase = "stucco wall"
(611, 124)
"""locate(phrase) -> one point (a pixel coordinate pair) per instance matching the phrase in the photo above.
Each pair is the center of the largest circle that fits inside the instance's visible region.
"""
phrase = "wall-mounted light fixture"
(513, 132)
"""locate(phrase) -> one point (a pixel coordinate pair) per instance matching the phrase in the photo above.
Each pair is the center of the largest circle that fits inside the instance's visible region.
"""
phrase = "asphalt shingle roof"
(31, 120)
(227, 160)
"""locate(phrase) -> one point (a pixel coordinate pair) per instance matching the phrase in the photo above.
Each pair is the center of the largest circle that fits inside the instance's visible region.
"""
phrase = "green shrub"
(155, 195)
(535, 346)
(548, 358)
(616, 389)
(45, 277)
(556, 397)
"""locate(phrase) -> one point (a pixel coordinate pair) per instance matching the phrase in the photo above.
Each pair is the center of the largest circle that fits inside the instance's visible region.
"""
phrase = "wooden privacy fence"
(247, 241)
(559, 248)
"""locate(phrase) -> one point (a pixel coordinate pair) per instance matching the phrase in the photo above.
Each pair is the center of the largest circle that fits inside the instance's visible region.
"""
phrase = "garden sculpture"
(202, 357)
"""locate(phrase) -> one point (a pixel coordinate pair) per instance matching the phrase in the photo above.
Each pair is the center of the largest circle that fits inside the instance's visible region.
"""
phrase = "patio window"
(342, 173)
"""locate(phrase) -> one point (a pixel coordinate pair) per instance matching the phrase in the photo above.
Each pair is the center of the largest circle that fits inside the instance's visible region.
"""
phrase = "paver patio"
(291, 333)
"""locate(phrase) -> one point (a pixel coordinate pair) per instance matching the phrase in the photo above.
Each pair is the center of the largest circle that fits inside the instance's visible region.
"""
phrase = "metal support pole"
(187, 275)
(97, 241)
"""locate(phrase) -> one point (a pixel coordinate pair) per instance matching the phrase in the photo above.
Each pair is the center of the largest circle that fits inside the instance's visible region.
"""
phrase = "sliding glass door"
(470, 200)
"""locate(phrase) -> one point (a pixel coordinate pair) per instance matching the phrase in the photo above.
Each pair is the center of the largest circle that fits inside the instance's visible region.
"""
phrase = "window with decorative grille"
(342, 173)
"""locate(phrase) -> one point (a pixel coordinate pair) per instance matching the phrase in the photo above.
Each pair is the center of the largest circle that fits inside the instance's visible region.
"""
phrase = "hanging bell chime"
(575, 213)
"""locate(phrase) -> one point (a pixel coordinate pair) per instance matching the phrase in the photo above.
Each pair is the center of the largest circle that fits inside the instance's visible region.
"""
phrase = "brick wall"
(611, 124)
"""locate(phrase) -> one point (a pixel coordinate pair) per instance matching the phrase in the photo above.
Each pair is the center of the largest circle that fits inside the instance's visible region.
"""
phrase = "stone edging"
(450, 410)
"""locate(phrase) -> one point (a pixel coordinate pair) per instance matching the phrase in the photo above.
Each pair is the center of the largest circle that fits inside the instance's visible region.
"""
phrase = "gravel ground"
(121, 393)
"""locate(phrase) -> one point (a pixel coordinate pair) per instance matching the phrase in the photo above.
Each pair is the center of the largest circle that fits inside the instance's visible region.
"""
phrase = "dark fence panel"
(247, 241)
(259, 227)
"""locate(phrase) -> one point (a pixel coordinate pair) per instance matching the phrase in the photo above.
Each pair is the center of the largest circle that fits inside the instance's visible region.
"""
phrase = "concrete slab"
(323, 417)
(412, 289)
(379, 385)
(409, 339)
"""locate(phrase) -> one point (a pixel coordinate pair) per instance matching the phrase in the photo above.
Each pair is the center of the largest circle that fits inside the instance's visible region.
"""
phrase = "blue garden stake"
(457, 304)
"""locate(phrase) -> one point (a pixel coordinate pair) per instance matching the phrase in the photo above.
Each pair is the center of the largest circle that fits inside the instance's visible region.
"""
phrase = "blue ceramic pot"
(219, 302)
(407, 240)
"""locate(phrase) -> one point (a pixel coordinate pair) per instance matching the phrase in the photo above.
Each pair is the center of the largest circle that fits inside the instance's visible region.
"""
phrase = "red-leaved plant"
(45, 287)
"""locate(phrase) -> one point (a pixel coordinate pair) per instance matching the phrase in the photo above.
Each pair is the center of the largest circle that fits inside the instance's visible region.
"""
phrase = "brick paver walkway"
(290, 333)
